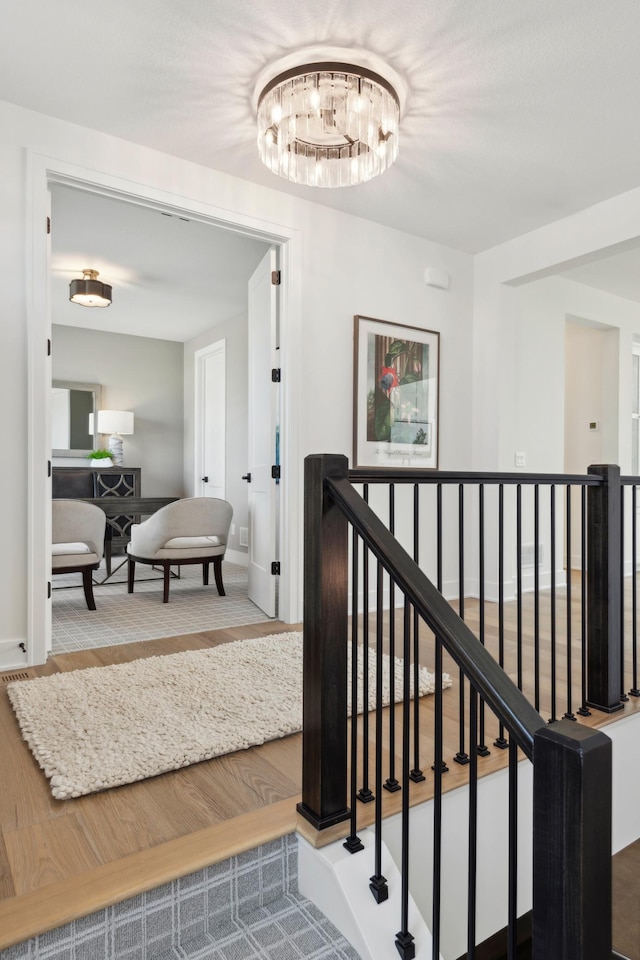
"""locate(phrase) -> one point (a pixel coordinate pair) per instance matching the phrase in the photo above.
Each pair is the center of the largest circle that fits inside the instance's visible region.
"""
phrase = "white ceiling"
(518, 112)
(172, 278)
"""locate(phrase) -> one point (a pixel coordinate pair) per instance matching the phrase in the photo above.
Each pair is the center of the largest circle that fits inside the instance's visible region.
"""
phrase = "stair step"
(245, 907)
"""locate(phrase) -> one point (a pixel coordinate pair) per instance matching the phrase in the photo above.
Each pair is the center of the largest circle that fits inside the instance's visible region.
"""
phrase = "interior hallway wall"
(348, 265)
(140, 374)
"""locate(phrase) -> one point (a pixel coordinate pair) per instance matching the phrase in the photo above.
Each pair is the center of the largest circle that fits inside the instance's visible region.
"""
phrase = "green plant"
(99, 455)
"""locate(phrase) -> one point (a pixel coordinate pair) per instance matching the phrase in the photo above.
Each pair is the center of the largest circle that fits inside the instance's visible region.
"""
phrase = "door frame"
(217, 349)
(42, 171)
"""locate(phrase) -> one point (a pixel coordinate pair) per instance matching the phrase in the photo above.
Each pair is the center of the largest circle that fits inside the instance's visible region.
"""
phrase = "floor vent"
(11, 677)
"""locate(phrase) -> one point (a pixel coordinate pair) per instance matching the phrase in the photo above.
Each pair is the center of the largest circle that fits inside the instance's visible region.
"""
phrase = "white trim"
(217, 349)
(42, 170)
(11, 656)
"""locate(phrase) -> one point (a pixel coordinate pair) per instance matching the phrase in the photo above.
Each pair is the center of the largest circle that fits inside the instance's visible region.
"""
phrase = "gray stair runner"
(245, 907)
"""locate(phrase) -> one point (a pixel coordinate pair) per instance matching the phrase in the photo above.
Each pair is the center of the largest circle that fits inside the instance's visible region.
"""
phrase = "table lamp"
(115, 423)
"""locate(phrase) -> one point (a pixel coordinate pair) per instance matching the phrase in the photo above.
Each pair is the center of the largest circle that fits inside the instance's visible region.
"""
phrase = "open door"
(263, 399)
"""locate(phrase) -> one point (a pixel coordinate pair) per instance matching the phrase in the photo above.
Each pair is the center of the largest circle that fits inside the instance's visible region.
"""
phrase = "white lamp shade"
(115, 421)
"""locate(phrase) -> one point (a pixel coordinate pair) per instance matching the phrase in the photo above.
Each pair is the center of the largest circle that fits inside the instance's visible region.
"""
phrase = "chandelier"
(328, 124)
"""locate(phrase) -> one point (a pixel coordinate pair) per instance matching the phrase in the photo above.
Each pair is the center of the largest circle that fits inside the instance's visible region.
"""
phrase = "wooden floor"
(63, 859)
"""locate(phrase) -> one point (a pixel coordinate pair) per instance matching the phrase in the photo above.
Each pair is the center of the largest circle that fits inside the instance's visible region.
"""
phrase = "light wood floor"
(63, 859)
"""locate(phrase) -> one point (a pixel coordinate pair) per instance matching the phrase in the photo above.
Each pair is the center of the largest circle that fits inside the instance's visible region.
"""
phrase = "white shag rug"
(102, 727)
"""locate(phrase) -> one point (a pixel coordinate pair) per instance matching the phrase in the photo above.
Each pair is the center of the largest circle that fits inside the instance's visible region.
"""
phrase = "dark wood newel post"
(604, 578)
(324, 738)
(571, 843)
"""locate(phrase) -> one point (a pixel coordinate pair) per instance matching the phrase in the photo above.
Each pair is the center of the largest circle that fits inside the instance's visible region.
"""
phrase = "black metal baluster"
(623, 696)
(536, 595)
(439, 764)
(439, 767)
(378, 883)
(364, 793)
(461, 756)
(583, 709)
(391, 784)
(569, 713)
(501, 742)
(482, 748)
(552, 493)
(404, 941)
(416, 773)
(519, 583)
(512, 927)
(353, 842)
(634, 692)
(473, 824)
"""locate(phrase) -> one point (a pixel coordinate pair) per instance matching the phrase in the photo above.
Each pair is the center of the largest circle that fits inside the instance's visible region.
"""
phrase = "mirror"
(71, 405)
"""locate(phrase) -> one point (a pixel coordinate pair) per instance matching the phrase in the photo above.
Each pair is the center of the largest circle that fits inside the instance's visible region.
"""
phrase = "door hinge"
(49, 590)
(275, 568)
(48, 468)
(48, 348)
(48, 224)
(275, 375)
(275, 472)
(276, 278)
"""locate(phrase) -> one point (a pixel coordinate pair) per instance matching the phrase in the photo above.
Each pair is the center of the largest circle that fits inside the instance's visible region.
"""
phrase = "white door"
(263, 397)
(210, 372)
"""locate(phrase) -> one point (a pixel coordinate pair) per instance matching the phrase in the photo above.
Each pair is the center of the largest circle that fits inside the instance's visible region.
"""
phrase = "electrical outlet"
(244, 536)
(232, 530)
(521, 459)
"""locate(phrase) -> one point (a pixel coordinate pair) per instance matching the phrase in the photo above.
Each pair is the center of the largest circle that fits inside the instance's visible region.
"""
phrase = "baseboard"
(11, 654)
(235, 556)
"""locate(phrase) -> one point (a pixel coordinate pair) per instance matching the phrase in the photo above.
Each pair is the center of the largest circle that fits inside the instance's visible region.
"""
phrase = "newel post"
(604, 579)
(571, 843)
(324, 737)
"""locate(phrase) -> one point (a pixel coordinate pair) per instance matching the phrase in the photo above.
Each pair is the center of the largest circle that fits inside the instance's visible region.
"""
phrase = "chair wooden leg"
(205, 574)
(167, 577)
(217, 572)
(131, 571)
(87, 583)
(107, 556)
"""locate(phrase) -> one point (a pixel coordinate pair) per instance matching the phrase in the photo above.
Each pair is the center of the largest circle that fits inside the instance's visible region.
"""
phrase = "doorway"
(39, 632)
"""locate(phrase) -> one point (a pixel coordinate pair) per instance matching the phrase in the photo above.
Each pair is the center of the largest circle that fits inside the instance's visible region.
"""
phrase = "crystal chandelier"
(328, 124)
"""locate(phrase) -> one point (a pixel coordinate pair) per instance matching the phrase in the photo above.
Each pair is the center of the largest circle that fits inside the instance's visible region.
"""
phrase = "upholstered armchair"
(194, 530)
(77, 541)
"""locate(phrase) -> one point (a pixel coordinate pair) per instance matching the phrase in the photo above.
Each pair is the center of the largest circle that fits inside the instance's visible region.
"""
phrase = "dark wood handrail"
(487, 677)
(409, 475)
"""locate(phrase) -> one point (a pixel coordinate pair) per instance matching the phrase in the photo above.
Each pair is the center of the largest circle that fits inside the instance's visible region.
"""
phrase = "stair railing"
(571, 917)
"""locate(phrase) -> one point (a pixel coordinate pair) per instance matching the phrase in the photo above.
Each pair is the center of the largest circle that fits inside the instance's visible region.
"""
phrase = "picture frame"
(396, 391)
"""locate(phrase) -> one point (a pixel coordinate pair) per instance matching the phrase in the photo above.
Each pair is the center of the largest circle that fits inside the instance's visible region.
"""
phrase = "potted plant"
(100, 458)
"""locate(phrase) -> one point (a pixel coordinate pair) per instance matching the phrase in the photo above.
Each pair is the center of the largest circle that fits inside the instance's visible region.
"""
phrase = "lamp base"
(115, 447)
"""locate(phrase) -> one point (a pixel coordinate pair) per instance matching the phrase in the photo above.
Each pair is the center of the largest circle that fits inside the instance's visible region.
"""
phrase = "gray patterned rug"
(120, 617)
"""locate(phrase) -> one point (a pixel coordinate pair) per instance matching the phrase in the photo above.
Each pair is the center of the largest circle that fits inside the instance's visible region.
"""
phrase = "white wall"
(234, 333)
(536, 255)
(138, 374)
(346, 266)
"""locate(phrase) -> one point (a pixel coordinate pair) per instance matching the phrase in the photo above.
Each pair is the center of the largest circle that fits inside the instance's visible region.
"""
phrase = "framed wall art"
(396, 395)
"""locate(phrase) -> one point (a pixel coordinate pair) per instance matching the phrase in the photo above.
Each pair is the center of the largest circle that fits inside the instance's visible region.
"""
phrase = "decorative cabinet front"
(89, 483)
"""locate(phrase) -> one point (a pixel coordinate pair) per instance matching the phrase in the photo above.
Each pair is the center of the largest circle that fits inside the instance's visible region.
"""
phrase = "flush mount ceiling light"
(328, 124)
(90, 292)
